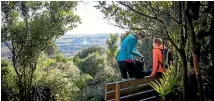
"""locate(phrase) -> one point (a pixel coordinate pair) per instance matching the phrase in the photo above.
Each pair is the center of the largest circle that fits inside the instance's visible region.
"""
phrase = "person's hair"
(158, 41)
(142, 34)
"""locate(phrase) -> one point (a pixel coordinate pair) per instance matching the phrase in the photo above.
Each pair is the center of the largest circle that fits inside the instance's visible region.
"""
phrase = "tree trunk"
(25, 11)
(182, 51)
(21, 91)
(193, 51)
(185, 76)
(212, 68)
(212, 56)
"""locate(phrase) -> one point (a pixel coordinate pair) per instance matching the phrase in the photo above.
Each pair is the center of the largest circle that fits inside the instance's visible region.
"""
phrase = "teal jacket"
(128, 49)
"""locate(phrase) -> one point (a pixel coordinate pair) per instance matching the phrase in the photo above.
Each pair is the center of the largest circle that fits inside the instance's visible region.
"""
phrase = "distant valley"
(69, 45)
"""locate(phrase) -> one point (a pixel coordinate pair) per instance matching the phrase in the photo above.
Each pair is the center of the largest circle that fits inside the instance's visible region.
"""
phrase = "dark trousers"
(126, 67)
(149, 72)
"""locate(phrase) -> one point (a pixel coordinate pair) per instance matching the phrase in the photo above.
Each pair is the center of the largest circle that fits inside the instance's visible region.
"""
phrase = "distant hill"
(69, 45)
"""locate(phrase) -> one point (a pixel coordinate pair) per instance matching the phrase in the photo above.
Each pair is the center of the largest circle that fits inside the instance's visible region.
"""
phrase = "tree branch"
(185, 32)
(168, 14)
(132, 9)
(8, 46)
(180, 20)
(138, 7)
(150, 5)
(170, 39)
(134, 28)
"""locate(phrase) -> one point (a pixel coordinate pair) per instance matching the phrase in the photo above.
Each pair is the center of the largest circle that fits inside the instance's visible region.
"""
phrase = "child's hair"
(142, 33)
(158, 41)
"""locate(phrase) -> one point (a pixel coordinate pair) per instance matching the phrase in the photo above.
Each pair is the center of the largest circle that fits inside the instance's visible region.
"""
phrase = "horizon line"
(90, 33)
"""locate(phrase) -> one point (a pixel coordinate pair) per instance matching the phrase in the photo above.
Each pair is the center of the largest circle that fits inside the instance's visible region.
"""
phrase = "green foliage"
(28, 27)
(183, 24)
(146, 49)
(107, 75)
(5, 63)
(93, 93)
(112, 49)
(112, 45)
(92, 64)
(85, 52)
(52, 50)
(151, 16)
(95, 64)
(94, 90)
(8, 75)
(63, 81)
(62, 78)
(8, 81)
(55, 79)
(82, 81)
(169, 81)
(61, 58)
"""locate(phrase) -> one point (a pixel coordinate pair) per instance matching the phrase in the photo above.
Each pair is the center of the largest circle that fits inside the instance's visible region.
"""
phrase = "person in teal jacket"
(126, 53)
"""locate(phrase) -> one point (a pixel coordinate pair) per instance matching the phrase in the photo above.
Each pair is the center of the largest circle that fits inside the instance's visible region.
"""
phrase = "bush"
(85, 52)
(60, 58)
(168, 83)
(107, 75)
(95, 64)
(81, 81)
(92, 64)
(57, 80)
(93, 93)
(9, 89)
(62, 88)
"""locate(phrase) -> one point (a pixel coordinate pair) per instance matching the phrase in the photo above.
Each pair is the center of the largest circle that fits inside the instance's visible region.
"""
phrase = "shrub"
(168, 83)
(57, 80)
(92, 64)
(85, 52)
(9, 89)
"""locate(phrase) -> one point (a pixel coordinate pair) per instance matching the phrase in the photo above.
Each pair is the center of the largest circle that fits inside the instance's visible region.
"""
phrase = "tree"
(28, 28)
(92, 64)
(112, 49)
(52, 50)
(85, 52)
(180, 23)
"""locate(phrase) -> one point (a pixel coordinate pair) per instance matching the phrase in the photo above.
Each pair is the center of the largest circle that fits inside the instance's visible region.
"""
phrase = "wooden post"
(117, 92)
(105, 92)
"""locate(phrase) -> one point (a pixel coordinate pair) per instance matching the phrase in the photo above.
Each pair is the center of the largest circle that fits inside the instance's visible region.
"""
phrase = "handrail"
(122, 87)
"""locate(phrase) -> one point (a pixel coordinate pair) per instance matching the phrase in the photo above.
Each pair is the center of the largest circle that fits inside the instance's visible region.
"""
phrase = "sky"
(92, 21)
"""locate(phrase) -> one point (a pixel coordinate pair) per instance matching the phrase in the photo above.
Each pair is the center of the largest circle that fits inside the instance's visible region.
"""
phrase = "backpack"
(138, 69)
(167, 58)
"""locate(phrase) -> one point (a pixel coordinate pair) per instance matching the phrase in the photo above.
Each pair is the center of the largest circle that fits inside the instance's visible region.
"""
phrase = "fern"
(167, 83)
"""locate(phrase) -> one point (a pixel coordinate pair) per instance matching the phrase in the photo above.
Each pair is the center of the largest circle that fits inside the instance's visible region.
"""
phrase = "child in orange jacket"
(157, 69)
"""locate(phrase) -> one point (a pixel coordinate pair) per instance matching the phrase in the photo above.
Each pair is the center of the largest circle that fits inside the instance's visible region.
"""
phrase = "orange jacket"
(157, 56)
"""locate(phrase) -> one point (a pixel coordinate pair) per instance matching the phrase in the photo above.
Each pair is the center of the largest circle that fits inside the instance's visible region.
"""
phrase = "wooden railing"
(131, 90)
